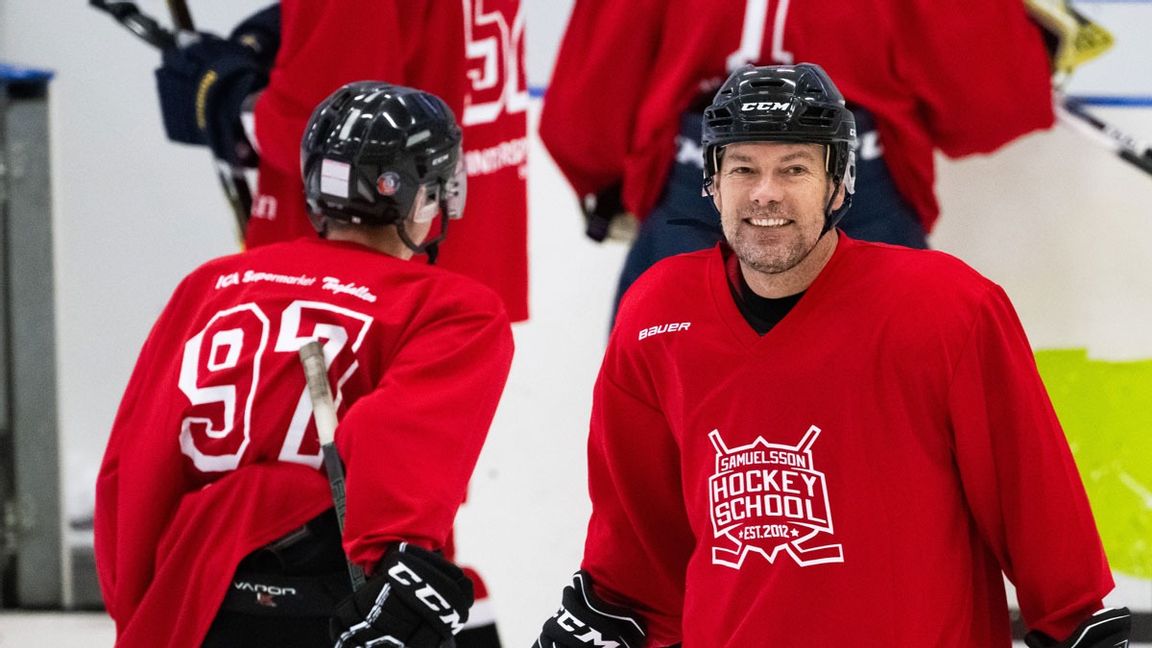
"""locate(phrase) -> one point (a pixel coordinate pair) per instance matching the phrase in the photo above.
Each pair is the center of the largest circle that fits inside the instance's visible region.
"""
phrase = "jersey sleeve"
(133, 490)
(411, 444)
(979, 68)
(325, 45)
(597, 85)
(1019, 476)
(639, 540)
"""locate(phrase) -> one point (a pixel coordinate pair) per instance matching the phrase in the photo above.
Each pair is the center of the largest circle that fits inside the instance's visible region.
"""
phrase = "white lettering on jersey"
(664, 328)
(511, 153)
(265, 206)
(336, 287)
(766, 498)
(221, 367)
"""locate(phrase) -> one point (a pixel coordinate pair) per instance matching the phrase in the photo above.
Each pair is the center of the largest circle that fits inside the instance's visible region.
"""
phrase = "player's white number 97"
(221, 369)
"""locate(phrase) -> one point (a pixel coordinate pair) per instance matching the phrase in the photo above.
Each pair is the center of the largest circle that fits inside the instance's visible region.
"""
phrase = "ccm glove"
(418, 599)
(203, 86)
(1107, 628)
(584, 620)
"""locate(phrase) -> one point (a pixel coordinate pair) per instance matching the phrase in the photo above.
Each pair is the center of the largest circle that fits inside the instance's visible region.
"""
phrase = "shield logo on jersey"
(768, 498)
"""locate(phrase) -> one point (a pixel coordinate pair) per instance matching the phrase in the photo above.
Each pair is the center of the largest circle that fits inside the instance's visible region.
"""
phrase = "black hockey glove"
(1108, 628)
(606, 217)
(584, 620)
(418, 599)
(203, 85)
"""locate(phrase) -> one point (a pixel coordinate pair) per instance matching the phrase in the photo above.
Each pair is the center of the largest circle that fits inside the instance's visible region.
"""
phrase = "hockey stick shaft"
(1128, 148)
(324, 413)
(137, 22)
(181, 17)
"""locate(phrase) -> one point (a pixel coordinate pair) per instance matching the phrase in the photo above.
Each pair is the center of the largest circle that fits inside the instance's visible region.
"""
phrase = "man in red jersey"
(214, 522)
(798, 438)
(919, 76)
(469, 52)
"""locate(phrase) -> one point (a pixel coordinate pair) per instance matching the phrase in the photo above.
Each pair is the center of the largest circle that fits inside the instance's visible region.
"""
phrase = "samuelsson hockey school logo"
(767, 498)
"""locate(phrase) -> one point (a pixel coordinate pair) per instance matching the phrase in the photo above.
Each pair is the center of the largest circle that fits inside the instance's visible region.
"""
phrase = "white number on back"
(752, 35)
(221, 381)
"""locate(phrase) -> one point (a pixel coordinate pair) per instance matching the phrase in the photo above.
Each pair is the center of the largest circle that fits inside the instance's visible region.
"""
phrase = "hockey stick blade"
(1130, 149)
(324, 413)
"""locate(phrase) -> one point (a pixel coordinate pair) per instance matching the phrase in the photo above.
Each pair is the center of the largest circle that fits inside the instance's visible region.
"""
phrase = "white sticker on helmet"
(334, 178)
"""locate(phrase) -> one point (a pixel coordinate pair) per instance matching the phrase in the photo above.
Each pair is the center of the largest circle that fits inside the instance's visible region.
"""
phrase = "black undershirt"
(761, 313)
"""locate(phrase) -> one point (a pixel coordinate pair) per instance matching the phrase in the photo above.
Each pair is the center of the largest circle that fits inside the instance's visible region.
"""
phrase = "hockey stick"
(232, 179)
(1130, 149)
(324, 413)
(137, 22)
(181, 17)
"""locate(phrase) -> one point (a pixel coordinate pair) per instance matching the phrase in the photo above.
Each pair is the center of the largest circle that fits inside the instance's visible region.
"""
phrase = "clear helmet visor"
(456, 191)
(452, 193)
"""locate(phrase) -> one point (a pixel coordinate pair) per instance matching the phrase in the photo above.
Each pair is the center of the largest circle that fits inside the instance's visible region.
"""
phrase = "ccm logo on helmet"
(766, 105)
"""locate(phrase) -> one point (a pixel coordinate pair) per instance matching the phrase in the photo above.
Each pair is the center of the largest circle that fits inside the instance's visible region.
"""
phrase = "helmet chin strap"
(430, 247)
(832, 216)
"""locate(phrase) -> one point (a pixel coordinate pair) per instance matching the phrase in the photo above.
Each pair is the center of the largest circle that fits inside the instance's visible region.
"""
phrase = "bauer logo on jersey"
(766, 498)
(769, 106)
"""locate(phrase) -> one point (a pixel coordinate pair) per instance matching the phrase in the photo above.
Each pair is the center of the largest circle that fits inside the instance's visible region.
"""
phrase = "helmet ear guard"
(783, 103)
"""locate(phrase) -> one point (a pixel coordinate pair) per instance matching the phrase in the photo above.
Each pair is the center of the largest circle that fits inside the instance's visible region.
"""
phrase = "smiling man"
(838, 443)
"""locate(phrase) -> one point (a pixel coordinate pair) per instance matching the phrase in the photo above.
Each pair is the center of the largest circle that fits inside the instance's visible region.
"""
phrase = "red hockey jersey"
(469, 53)
(861, 475)
(963, 77)
(214, 454)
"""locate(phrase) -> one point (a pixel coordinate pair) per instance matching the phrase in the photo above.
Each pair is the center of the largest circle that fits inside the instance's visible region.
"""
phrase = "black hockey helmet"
(374, 153)
(783, 103)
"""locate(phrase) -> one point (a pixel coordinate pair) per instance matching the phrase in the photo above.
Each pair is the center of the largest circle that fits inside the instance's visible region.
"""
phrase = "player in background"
(470, 52)
(798, 438)
(623, 110)
(214, 520)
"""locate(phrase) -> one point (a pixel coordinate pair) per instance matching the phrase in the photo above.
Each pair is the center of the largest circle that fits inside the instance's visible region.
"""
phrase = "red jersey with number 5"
(214, 452)
(469, 53)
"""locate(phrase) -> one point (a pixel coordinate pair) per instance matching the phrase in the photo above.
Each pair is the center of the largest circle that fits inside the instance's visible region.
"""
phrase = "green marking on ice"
(1106, 411)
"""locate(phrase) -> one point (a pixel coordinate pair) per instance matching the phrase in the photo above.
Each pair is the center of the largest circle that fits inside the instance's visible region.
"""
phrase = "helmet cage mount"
(784, 103)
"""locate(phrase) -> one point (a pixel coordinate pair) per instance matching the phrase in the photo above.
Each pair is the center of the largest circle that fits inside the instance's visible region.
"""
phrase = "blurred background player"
(622, 115)
(294, 53)
(470, 52)
(820, 419)
(214, 521)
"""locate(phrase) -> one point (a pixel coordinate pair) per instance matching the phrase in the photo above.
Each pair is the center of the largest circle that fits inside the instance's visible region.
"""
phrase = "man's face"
(771, 197)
